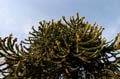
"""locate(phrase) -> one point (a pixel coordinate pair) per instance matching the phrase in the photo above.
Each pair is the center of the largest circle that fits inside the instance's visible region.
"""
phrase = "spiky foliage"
(71, 49)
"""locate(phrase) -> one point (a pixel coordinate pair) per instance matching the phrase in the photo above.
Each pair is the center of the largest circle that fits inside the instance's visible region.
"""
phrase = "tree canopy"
(63, 49)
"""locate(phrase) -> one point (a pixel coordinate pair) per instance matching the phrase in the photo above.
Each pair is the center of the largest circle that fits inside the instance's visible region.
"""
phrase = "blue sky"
(17, 16)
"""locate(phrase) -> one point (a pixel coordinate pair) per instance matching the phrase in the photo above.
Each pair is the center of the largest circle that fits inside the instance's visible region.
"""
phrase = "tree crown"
(71, 49)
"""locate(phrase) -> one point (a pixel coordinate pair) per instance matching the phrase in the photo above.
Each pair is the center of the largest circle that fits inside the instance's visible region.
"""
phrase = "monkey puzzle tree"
(71, 49)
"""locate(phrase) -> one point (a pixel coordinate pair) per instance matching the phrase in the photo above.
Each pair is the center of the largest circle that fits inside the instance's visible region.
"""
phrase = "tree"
(72, 49)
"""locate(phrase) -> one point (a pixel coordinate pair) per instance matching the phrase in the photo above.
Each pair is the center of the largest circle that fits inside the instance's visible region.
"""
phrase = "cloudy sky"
(17, 16)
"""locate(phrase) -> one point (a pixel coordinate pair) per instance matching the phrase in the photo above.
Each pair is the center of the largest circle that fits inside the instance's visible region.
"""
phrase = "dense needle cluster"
(61, 49)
